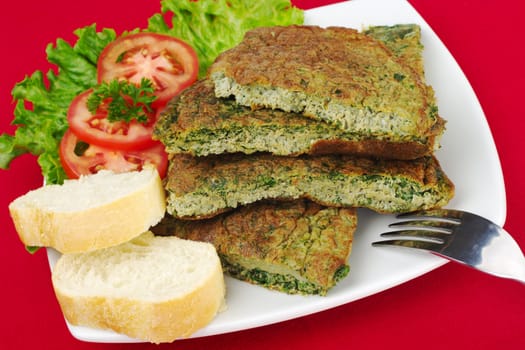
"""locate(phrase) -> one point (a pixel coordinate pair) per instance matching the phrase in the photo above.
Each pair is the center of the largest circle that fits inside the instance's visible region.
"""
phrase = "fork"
(461, 237)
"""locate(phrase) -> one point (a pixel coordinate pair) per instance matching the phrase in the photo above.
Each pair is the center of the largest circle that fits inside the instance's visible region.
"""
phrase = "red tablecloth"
(452, 307)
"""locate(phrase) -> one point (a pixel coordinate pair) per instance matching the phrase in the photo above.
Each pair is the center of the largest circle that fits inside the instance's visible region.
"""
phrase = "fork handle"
(506, 259)
(520, 276)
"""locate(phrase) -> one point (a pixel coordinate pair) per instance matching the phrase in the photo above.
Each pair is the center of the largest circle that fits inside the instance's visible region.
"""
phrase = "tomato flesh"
(97, 129)
(169, 63)
(94, 158)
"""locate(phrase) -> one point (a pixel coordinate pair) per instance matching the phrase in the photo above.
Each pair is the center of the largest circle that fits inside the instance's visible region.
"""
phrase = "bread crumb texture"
(93, 212)
(152, 288)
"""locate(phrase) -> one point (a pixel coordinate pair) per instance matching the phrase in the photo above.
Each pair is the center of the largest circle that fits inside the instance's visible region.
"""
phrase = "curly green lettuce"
(41, 101)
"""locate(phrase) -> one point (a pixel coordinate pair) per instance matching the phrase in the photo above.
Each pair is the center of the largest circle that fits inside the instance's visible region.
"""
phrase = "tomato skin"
(96, 158)
(170, 63)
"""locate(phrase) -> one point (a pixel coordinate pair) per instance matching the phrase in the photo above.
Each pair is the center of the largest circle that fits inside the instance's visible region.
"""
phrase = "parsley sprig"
(124, 101)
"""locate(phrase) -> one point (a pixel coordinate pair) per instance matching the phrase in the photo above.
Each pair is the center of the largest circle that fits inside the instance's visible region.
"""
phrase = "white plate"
(468, 156)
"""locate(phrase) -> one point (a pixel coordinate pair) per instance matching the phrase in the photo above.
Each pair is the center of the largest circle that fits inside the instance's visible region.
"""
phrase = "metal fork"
(461, 237)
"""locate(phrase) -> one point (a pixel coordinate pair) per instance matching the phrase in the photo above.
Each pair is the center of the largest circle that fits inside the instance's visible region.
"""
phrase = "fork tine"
(435, 213)
(423, 245)
(436, 236)
(442, 225)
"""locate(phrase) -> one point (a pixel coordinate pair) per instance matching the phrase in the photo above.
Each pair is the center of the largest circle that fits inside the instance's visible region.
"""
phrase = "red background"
(452, 307)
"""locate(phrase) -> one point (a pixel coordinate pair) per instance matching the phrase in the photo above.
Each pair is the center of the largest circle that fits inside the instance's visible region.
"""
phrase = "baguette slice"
(151, 288)
(93, 212)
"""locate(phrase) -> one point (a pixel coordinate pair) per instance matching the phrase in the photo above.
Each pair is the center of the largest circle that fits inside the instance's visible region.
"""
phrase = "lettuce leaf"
(213, 26)
(41, 101)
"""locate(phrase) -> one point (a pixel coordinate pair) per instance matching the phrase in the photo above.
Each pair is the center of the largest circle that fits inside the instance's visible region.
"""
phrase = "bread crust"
(92, 228)
(158, 322)
(156, 319)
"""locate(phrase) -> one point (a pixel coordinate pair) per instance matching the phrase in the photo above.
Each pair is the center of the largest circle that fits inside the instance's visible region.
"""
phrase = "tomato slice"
(80, 158)
(171, 64)
(96, 129)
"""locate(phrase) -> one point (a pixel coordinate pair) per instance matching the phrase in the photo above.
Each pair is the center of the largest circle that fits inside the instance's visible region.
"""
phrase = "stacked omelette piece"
(292, 130)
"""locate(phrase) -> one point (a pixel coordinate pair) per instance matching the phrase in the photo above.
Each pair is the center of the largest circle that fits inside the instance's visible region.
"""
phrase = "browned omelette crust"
(198, 123)
(295, 247)
(201, 187)
(404, 40)
(336, 65)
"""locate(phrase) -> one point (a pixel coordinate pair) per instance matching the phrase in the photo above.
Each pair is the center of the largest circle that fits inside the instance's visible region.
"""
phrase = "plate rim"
(431, 262)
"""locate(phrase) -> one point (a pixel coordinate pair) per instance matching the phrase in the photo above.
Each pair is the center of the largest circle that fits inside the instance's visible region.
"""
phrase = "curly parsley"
(124, 101)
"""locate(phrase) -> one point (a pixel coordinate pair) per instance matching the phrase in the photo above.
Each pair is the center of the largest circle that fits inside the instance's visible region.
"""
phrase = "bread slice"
(152, 288)
(92, 212)
(334, 74)
(296, 247)
(200, 187)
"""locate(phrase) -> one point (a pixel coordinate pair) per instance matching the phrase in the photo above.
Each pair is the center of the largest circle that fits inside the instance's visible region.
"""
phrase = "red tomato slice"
(77, 161)
(97, 130)
(168, 62)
